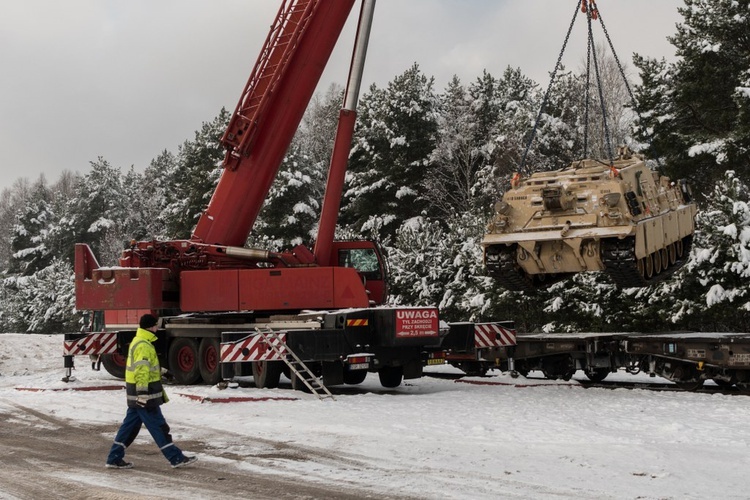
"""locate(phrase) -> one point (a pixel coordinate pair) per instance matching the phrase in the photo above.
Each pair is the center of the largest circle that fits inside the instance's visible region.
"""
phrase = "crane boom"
(269, 111)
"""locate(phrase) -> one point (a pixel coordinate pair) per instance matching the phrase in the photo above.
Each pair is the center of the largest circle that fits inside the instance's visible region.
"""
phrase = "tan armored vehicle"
(623, 219)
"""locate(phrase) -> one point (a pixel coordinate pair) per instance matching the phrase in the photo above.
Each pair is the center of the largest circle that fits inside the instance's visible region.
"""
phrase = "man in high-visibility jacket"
(145, 394)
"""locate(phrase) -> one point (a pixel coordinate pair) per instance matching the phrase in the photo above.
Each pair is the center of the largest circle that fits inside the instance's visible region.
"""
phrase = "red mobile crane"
(211, 284)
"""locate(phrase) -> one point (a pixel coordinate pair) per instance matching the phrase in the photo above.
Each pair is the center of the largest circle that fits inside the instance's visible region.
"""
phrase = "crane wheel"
(183, 360)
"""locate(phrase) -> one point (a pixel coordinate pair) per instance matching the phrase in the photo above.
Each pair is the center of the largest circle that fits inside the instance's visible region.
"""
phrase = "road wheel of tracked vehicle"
(390, 376)
(266, 374)
(208, 361)
(114, 364)
(672, 252)
(641, 266)
(183, 361)
(664, 258)
(649, 266)
(679, 249)
(597, 374)
(657, 262)
(355, 377)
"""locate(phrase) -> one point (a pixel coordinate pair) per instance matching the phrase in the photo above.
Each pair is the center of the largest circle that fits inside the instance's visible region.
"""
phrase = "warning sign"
(416, 323)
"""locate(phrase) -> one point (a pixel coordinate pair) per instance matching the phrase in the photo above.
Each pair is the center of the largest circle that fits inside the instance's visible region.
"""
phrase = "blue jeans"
(156, 425)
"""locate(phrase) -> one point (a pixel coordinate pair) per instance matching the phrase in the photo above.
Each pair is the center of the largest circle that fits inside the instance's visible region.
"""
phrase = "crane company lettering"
(416, 323)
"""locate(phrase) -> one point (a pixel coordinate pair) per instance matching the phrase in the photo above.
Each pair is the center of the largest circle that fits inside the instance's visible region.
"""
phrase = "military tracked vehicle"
(619, 217)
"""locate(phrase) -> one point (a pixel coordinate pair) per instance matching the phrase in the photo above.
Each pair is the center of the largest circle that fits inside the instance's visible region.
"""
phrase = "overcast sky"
(126, 79)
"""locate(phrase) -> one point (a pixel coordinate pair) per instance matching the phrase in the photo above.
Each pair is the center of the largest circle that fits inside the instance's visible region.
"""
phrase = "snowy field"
(431, 437)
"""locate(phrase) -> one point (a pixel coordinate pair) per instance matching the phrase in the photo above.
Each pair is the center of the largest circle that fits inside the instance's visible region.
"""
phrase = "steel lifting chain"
(617, 59)
(591, 10)
(546, 94)
(607, 136)
(625, 79)
(587, 100)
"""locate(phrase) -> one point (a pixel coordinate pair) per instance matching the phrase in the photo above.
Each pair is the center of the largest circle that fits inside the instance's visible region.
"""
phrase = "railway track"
(662, 387)
(588, 384)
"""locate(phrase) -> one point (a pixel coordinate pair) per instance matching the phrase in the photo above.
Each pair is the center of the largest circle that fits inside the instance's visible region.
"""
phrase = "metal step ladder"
(296, 366)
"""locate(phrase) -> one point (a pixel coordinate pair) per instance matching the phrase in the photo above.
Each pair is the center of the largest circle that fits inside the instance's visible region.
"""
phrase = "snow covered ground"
(432, 437)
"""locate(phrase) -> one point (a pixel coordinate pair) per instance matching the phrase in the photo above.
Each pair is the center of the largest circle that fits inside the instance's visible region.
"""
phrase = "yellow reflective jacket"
(142, 371)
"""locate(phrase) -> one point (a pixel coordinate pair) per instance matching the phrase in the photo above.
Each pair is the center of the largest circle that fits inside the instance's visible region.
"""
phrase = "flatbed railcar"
(686, 358)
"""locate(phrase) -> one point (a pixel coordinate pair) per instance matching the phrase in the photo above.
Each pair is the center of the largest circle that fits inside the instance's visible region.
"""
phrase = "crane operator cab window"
(364, 260)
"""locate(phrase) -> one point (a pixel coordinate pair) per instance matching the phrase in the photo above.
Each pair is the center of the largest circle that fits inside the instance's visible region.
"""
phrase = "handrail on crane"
(277, 51)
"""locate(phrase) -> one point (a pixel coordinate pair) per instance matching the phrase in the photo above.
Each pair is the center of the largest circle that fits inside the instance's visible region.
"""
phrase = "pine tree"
(154, 193)
(40, 303)
(519, 101)
(317, 131)
(195, 177)
(92, 215)
(559, 133)
(717, 291)
(12, 201)
(29, 241)
(290, 213)
(701, 127)
(418, 263)
(454, 160)
(394, 138)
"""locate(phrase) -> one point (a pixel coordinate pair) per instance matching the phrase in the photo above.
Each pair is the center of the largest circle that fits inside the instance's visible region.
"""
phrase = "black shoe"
(185, 460)
(120, 464)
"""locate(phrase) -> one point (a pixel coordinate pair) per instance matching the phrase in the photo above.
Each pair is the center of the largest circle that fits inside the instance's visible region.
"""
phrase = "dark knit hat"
(147, 321)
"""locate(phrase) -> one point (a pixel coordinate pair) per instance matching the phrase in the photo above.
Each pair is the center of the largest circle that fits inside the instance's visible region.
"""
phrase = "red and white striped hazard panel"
(493, 335)
(93, 344)
(252, 348)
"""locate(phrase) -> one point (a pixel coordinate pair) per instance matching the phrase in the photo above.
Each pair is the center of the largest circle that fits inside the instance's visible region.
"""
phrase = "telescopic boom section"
(269, 111)
(344, 133)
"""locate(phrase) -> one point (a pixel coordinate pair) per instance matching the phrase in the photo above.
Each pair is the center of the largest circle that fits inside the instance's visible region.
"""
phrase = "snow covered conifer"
(394, 139)
(701, 123)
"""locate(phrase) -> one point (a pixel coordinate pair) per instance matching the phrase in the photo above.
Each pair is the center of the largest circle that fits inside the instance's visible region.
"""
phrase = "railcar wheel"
(114, 364)
(553, 375)
(354, 377)
(183, 360)
(208, 361)
(689, 385)
(390, 376)
(472, 368)
(266, 374)
(597, 374)
(722, 384)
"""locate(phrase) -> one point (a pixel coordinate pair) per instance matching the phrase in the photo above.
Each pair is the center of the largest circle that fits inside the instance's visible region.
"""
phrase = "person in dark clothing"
(145, 394)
